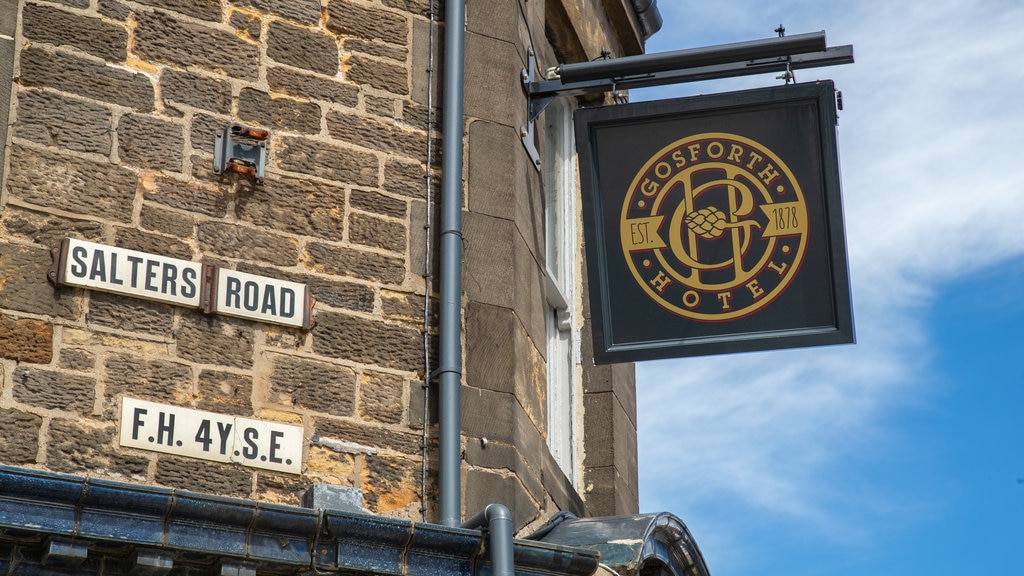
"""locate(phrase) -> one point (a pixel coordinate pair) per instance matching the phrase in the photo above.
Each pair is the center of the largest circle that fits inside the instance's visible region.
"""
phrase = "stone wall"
(114, 111)
(504, 278)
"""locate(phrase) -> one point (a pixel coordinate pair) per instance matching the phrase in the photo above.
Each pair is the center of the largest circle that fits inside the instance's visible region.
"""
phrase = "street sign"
(212, 289)
(209, 436)
(260, 298)
(122, 271)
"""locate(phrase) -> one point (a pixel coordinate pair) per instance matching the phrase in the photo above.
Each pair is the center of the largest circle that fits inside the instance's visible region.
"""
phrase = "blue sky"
(904, 453)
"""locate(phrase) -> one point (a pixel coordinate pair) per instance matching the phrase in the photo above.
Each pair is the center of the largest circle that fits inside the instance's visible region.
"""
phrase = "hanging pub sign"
(714, 224)
(212, 289)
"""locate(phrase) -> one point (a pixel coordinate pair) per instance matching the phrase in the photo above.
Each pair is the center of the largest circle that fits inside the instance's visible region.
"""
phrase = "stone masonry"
(114, 109)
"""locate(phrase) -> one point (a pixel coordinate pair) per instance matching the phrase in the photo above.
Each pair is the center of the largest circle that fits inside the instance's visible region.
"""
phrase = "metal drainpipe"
(498, 521)
(450, 325)
(649, 16)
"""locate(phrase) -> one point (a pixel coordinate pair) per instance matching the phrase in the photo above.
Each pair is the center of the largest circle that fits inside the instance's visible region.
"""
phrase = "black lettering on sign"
(169, 283)
(269, 302)
(275, 445)
(287, 302)
(224, 428)
(99, 267)
(251, 297)
(113, 271)
(188, 278)
(135, 261)
(78, 265)
(151, 273)
(203, 435)
(137, 422)
(250, 451)
(165, 425)
(231, 295)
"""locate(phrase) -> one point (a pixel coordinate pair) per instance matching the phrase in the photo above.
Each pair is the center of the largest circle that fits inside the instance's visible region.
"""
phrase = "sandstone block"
(376, 134)
(368, 342)
(243, 242)
(390, 482)
(371, 231)
(76, 359)
(302, 48)
(216, 340)
(149, 142)
(51, 119)
(86, 78)
(26, 340)
(202, 9)
(372, 435)
(296, 206)
(381, 397)
(225, 392)
(405, 307)
(19, 436)
(344, 261)
(377, 73)
(374, 48)
(278, 113)
(195, 90)
(343, 164)
(130, 314)
(313, 385)
(250, 24)
(304, 85)
(157, 219)
(44, 229)
(152, 379)
(349, 19)
(190, 196)
(307, 11)
(24, 287)
(87, 187)
(53, 390)
(202, 476)
(135, 239)
(370, 201)
(113, 9)
(163, 38)
(53, 26)
(418, 7)
(406, 178)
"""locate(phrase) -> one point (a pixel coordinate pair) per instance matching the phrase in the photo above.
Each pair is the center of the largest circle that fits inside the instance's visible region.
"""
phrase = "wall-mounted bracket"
(242, 150)
(528, 133)
(780, 54)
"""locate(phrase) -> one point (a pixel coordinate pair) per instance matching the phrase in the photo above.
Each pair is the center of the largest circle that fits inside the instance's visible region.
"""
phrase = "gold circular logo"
(714, 227)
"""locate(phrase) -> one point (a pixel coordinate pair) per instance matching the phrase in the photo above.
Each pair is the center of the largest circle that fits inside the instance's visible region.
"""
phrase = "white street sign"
(260, 298)
(210, 436)
(123, 271)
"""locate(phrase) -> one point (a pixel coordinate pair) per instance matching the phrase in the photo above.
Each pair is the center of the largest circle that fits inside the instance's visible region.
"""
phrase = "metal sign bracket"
(528, 133)
(780, 54)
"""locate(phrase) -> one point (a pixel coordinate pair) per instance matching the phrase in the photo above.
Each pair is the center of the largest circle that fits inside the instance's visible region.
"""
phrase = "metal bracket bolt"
(241, 150)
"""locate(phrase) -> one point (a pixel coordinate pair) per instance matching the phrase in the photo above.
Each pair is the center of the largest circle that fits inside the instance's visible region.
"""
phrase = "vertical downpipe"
(450, 353)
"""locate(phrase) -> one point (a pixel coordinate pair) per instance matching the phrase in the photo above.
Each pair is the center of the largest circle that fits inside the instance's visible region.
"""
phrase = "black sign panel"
(714, 224)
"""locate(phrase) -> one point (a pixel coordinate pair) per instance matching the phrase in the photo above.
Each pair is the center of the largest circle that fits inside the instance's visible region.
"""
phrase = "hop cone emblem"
(708, 223)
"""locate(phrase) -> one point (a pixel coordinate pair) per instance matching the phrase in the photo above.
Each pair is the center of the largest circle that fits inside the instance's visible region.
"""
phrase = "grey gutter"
(65, 521)
(450, 314)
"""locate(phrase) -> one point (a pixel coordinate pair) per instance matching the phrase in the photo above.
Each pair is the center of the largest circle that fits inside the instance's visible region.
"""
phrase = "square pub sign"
(714, 224)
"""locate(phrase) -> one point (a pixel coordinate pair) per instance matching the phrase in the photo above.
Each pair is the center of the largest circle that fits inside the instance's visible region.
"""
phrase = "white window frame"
(562, 275)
